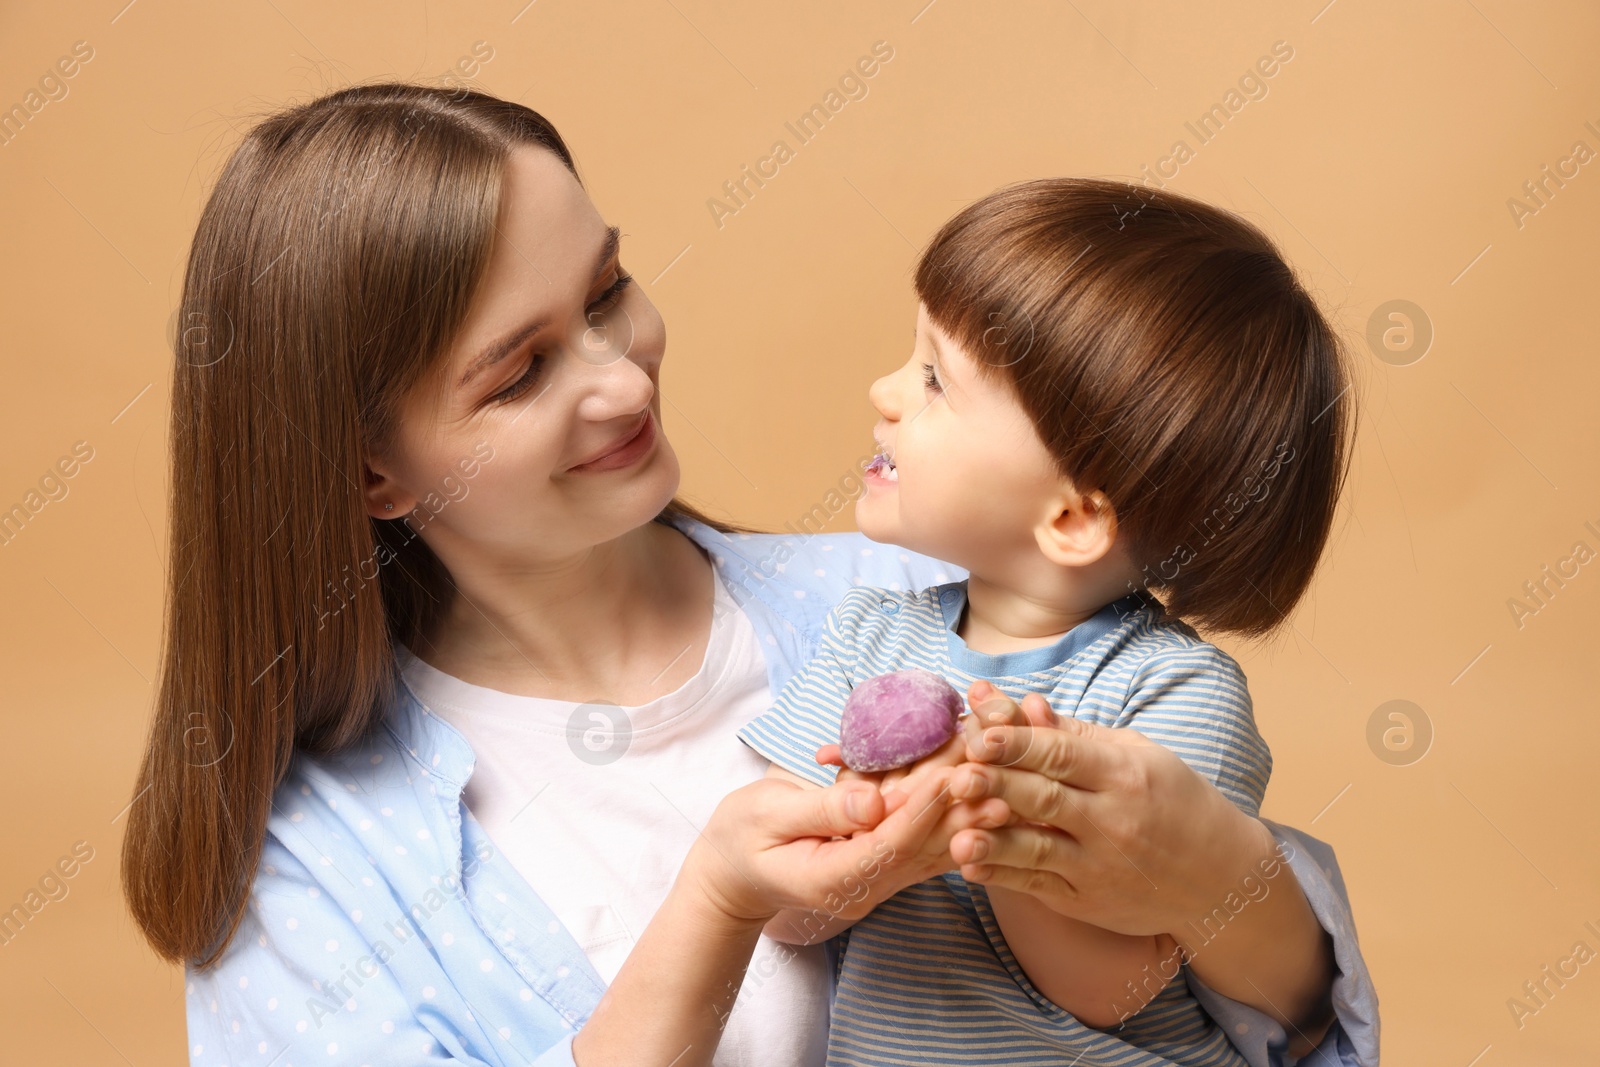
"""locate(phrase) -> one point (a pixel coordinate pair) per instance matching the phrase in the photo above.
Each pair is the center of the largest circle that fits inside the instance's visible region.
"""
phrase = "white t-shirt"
(597, 805)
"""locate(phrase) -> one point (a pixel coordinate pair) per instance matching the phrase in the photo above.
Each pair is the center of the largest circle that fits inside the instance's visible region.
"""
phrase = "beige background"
(1382, 159)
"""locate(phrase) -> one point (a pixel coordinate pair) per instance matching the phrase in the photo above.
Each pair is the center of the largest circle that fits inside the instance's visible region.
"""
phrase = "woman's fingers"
(1044, 885)
(1039, 712)
(1022, 846)
(1031, 796)
(834, 811)
(991, 707)
(1074, 753)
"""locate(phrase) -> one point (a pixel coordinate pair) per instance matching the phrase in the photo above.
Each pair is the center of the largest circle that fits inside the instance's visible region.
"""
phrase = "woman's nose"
(615, 389)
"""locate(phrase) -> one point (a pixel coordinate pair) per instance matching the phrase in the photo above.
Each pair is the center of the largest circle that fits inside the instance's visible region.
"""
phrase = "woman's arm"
(675, 990)
(769, 846)
(1270, 953)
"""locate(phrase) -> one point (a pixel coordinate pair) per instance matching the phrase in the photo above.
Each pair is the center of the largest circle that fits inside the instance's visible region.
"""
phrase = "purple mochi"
(896, 719)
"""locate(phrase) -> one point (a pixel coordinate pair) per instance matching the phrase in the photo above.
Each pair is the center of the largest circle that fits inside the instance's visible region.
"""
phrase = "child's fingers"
(990, 814)
(924, 805)
(830, 756)
(951, 754)
(983, 815)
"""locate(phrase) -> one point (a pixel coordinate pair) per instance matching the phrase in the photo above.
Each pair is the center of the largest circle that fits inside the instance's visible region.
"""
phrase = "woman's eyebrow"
(498, 350)
(608, 252)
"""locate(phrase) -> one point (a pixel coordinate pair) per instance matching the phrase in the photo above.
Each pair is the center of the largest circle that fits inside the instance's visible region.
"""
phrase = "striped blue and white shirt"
(927, 977)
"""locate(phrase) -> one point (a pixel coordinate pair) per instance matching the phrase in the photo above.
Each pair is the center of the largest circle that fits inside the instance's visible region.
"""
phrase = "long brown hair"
(331, 268)
(1170, 359)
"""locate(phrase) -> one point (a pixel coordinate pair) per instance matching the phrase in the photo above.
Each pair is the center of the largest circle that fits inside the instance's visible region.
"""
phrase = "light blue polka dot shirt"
(384, 927)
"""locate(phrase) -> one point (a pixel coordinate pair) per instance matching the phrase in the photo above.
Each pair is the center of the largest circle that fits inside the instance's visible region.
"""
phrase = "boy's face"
(970, 479)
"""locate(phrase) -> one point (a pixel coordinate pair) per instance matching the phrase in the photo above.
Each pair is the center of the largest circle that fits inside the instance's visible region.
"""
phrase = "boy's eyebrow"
(938, 356)
(498, 350)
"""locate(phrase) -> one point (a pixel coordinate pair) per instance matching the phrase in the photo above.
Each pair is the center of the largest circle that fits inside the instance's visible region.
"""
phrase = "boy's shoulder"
(877, 601)
(1148, 638)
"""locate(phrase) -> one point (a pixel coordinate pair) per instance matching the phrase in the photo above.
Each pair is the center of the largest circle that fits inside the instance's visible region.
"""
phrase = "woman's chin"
(659, 481)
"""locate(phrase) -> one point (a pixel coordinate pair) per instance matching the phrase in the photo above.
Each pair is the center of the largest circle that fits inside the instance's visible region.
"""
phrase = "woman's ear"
(385, 499)
(1079, 530)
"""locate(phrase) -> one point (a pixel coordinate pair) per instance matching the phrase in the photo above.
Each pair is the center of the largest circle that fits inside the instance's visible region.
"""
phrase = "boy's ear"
(1079, 529)
(380, 491)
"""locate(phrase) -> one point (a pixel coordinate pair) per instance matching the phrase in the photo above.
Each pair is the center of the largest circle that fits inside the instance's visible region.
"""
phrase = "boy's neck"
(999, 618)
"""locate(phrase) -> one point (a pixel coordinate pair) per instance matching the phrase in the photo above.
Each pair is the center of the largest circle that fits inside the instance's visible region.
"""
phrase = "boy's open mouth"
(883, 467)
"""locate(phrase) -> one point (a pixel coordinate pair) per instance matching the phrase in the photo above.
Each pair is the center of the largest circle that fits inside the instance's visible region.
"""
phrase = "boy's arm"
(1195, 701)
(1102, 978)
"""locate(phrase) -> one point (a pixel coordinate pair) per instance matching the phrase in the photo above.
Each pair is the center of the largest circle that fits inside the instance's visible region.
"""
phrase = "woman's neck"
(626, 621)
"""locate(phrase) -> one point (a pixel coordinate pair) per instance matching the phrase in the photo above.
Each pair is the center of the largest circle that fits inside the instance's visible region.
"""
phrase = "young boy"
(1121, 415)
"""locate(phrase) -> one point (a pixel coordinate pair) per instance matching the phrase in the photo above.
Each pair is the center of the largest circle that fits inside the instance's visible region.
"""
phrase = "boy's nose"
(882, 395)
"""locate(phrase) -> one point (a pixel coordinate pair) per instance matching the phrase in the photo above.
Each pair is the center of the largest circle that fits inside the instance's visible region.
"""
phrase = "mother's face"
(557, 364)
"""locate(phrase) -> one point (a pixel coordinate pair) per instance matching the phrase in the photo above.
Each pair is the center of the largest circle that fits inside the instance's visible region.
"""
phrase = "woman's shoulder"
(382, 796)
(358, 847)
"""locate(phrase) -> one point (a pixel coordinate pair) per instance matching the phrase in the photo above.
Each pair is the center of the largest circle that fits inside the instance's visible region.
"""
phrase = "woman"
(430, 586)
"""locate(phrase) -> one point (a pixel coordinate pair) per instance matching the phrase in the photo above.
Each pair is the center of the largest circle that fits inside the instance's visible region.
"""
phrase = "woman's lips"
(626, 452)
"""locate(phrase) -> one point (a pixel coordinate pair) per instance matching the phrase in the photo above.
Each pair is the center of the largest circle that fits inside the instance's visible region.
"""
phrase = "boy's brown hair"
(1168, 358)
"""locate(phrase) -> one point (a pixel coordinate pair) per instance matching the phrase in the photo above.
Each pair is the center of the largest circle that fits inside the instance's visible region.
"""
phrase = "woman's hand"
(836, 852)
(1116, 830)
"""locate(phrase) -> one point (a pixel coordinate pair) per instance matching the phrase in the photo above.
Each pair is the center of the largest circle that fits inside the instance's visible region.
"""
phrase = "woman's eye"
(929, 380)
(524, 383)
(601, 304)
(606, 300)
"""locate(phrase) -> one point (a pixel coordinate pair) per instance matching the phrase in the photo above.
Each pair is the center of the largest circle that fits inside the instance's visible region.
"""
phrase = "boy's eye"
(929, 379)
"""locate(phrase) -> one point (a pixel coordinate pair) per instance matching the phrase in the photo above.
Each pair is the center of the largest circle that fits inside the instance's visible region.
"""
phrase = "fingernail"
(994, 738)
(855, 805)
(980, 849)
